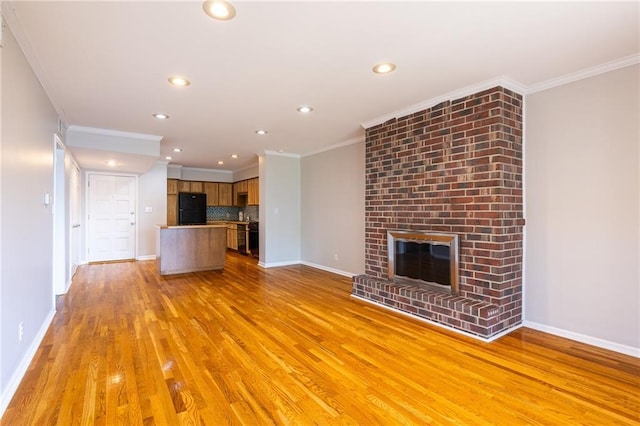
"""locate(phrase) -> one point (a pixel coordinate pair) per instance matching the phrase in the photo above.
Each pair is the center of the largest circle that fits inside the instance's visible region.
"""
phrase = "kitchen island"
(190, 248)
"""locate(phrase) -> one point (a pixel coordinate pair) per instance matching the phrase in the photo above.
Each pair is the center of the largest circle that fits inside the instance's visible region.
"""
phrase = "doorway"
(111, 217)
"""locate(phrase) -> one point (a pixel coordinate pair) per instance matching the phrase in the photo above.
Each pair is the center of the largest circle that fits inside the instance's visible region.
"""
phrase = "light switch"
(148, 209)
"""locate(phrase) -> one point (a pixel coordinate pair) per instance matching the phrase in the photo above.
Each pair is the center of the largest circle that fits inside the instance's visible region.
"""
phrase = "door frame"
(71, 271)
(58, 209)
(87, 208)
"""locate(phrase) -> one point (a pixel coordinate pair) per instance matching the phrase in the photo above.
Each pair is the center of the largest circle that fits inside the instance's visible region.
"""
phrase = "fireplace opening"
(424, 257)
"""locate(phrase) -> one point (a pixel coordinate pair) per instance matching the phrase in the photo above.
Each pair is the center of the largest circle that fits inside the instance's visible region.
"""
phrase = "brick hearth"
(455, 167)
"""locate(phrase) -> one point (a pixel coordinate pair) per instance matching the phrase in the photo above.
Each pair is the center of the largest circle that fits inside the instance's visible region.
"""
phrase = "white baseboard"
(21, 370)
(328, 269)
(277, 264)
(583, 338)
(437, 324)
(147, 257)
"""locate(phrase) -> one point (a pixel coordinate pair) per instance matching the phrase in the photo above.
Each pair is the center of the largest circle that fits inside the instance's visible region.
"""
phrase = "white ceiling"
(105, 64)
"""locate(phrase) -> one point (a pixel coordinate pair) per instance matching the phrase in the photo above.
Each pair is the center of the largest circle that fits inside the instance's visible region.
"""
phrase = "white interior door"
(112, 217)
(74, 209)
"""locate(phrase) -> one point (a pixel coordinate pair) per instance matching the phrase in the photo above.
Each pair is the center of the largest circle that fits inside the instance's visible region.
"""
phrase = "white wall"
(28, 124)
(332, 209)
(248, 173)
(582, 209)
(206, 175)
(279, 209)
(152, 193)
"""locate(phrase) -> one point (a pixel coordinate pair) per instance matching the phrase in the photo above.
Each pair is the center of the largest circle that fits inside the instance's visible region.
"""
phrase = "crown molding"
(200, 169)
(117, 133)
(503, 81)
(335, 146)
(281, 154)
(585, 73)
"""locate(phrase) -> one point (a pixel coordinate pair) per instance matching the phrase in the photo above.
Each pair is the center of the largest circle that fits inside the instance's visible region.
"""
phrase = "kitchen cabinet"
(172, 209)
(172, 186)
(190, 186)
(253, 192)
(225, 193)
(240, 193)
(232, 236)
(184, 186)
(211, 189)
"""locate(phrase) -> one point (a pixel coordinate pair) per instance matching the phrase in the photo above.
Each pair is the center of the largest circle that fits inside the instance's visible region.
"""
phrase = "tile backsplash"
(231, 213)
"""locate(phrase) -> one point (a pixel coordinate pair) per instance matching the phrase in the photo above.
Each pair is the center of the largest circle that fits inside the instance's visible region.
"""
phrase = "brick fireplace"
(453, 168)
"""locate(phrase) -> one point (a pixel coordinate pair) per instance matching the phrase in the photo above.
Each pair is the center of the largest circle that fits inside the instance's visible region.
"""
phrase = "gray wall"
(279, 209)
(29, 122)
(332, 209)
(582, 208)
(152, 192)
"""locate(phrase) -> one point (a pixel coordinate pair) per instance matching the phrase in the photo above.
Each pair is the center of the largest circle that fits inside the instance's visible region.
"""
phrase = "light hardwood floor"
(290, 346)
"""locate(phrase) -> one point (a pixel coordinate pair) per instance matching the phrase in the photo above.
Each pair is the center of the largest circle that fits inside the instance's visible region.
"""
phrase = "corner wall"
(583, 210)
(332, 212)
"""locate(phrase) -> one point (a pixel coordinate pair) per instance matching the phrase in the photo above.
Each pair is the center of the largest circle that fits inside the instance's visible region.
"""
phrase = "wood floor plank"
(253, 346)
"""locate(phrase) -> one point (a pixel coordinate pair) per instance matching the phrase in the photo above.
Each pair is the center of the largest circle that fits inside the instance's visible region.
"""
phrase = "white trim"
(278, 264)
(585, 73)
(335, 146)
(455, 330)
(199, 169)
(21, 369)
(583, 338)
(282, 154)
(117, 133)
(456, 94)
(328, 269)
(147, 257)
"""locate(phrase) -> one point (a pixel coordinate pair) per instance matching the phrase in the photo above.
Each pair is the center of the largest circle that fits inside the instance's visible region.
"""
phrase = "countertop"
(220, 222)
(208, 225)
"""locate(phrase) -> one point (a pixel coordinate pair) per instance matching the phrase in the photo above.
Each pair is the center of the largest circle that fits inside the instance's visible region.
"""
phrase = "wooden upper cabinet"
(225, 194)
(190, 186)
(253, 192)
(172, 186)
(211, 189)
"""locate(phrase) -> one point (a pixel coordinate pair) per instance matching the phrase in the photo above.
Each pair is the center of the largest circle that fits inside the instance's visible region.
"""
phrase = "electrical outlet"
(336, 257)
(20, 331)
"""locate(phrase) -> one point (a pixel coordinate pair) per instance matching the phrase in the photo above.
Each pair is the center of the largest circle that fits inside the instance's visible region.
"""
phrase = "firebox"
(424, 257)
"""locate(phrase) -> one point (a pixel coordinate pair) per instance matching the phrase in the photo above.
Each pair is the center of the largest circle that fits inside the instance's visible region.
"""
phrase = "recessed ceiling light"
(161, 116)
(219, 9)
(112, 163)
(176, 80)
(304, 109)
(261, 132)
(220, 162)
(384, 68)
(177, 149)
(234, 155)
(168, 157)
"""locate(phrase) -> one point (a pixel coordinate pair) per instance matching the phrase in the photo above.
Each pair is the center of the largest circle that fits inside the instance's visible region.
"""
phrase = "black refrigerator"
(192, 208)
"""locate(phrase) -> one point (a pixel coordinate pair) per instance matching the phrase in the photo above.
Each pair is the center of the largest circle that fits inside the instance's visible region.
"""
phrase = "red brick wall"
(455, 167)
